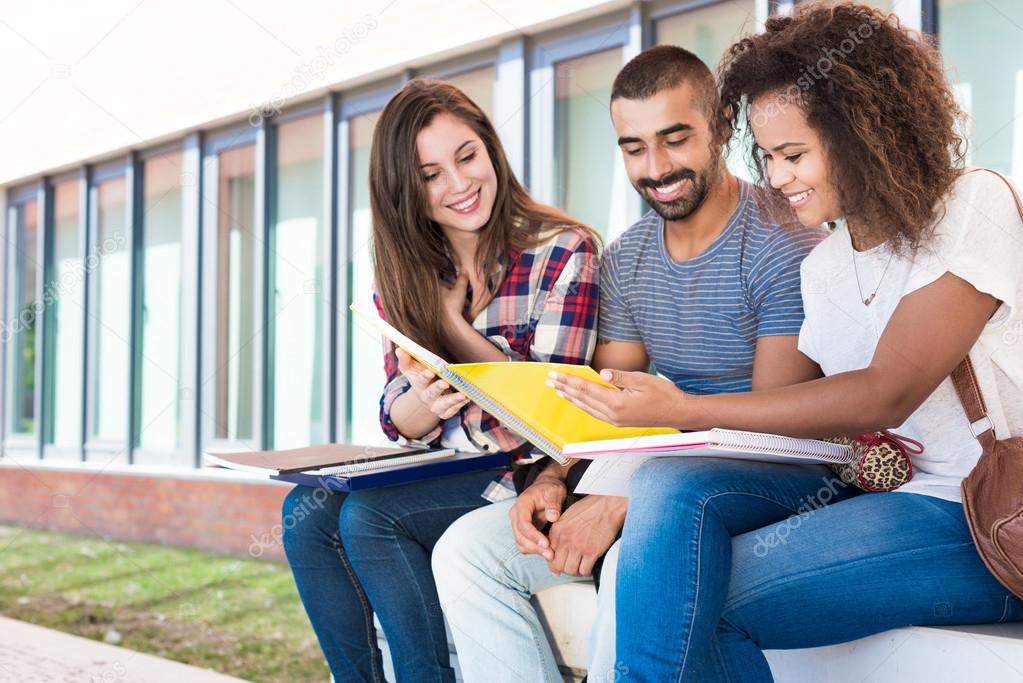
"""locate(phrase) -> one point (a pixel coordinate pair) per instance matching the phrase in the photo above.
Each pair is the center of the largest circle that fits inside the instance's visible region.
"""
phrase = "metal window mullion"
(265, 210)
(83, 251)
(328, 299)
(43, 214)
(207, 388)
(90, 212)
(136, 264)
(191, 298)
(929, 18)
(90, 308)
(341, 273)
(511, 94)
(641, 36)
(44, 345)
(5, 331)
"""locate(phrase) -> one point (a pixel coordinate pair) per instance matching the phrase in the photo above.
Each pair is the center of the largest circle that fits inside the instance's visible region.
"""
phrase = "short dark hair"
(664, 67)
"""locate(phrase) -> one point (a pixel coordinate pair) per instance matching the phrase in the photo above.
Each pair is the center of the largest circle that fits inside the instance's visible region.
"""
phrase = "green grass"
(240, 617)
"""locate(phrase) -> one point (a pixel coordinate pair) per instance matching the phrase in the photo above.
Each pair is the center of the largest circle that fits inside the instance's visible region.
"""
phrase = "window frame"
(185, 455)
(220, 141)
(325, 108)
(349, 105)
(22, 444)
(51, 451)
(106, 451)
(625, 30)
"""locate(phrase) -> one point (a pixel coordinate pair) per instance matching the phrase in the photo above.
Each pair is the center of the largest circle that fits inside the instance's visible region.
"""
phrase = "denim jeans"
(485, 585)
(369, 551)
(763, 556)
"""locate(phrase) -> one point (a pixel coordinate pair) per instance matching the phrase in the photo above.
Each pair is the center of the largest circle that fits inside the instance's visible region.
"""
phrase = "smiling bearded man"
(703, 287)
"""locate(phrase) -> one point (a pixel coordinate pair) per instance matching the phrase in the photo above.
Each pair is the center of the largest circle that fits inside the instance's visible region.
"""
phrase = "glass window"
(988, 77)
(298, 287)
(24, 317)
(478, 84)
(235, 333)
(708, 32)
(159, 407)
(68, 311)
(365, 365)
(111, 327)
(886, 5)
(589, 175)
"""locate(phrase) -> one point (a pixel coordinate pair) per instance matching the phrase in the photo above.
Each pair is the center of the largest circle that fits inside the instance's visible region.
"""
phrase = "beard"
(689, 201)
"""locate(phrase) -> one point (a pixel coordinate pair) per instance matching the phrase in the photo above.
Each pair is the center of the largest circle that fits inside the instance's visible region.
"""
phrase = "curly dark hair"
(877, 96)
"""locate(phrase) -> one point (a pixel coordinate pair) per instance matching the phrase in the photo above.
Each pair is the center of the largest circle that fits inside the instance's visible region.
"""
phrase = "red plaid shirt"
(545, 310)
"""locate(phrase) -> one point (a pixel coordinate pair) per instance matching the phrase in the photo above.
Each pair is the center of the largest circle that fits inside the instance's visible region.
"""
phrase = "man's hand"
(584, 533)
(641, 399)
(540, 503)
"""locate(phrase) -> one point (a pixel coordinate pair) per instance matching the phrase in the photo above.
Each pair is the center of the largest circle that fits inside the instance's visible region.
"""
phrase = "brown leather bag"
(993, 491)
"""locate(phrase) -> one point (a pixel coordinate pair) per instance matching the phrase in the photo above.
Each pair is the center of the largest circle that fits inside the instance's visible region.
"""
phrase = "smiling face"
(458, 177)
(666, 144)
(795, 159)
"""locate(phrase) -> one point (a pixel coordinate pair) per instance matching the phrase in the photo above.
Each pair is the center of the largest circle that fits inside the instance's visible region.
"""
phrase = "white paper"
(609, 475)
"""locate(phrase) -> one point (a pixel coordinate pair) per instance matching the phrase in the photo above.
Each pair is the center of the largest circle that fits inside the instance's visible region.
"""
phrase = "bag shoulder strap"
(964, 379)
(1008, 184)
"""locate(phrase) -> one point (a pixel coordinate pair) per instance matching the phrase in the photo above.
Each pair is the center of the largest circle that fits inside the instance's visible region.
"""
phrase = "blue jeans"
(369, 551)
(486, 585)
(763, 556)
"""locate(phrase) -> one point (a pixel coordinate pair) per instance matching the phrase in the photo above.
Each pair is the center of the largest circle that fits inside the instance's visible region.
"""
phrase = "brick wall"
(211, 513)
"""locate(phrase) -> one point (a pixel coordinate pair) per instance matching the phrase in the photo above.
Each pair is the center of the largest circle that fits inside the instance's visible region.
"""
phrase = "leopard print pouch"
(881, 463)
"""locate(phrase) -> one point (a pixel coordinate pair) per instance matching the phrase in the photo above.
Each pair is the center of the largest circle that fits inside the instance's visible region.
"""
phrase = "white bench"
(973, 654)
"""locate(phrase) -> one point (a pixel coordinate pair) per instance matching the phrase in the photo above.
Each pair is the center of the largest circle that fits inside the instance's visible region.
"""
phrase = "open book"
(614, 461)
(339, 457)
(516, 394)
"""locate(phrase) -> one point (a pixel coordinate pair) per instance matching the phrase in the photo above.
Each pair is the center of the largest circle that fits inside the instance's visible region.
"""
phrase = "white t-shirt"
(979, 239)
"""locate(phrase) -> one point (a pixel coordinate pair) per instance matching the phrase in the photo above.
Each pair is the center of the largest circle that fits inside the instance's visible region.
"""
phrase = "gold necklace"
(859, 289)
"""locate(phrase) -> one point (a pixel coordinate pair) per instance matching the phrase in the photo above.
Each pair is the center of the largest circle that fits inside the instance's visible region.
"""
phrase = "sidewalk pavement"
(33, 654)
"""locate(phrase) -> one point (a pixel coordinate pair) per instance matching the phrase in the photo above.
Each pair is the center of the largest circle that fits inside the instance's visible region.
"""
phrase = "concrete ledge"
(978, 654)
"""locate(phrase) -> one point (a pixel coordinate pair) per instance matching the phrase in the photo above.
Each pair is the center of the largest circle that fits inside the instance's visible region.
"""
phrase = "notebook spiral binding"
(504, 417)
(779, 445)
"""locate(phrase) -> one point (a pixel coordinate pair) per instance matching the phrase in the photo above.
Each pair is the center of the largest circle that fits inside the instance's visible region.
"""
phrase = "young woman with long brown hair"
(854, 126)
(467, 264)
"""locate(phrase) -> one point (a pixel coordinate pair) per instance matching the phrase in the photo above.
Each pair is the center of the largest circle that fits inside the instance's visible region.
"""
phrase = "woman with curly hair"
(854, 127)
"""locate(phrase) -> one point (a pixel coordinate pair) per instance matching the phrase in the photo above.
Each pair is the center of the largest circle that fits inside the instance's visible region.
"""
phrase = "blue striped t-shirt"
(700, 319)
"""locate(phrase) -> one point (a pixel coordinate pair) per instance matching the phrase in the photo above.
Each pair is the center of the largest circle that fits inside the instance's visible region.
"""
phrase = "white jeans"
(485, 583)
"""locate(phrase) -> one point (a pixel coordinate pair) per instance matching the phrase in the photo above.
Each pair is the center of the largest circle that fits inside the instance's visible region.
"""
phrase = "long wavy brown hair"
(410, 251)
(877, 96)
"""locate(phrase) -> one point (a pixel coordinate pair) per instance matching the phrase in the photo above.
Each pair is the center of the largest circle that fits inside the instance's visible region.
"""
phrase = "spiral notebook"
(430, 465)
(516, 394)
(615, 460)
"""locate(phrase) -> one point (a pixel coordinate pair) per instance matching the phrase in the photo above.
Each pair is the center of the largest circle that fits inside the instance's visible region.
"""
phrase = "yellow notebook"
(516, 394)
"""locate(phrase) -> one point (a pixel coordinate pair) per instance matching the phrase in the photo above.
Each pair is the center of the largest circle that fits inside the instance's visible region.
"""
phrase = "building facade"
(185, 204)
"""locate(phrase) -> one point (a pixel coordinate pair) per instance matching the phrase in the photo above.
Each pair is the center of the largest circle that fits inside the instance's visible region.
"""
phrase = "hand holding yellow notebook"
(515, 393)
